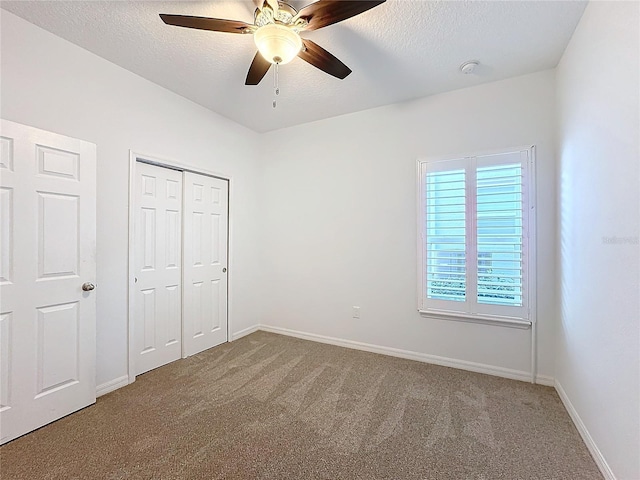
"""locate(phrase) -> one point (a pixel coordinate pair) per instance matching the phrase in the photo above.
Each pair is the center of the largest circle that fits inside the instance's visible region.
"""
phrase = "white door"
(206, 218)
(48, 235)
(158, 270)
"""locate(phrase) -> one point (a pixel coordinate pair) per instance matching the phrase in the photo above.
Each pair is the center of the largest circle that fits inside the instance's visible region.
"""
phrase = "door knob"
(87, 287)
(224, 270)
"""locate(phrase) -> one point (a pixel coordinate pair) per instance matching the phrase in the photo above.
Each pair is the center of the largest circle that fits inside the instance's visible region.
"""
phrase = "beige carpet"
(272, 407)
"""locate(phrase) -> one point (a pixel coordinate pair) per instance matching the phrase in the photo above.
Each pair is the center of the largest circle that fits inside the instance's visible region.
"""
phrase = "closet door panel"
(158, 257)
(206, 222)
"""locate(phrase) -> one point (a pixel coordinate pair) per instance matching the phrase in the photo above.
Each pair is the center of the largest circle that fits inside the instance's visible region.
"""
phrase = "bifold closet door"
(206, 218)
(47, 277)
(158, 269)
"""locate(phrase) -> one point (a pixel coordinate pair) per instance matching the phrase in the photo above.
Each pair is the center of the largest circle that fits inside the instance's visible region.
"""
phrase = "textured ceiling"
(400, 50)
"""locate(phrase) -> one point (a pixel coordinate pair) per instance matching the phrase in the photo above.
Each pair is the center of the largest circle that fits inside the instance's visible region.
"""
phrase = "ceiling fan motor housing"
(284, 14)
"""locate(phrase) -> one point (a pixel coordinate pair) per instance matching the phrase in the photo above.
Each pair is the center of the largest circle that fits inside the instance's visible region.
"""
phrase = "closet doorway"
(178, 257)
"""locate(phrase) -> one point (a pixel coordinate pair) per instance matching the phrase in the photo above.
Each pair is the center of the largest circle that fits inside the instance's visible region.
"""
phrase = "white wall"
(341, 214)
(598, 362)
(52, 84)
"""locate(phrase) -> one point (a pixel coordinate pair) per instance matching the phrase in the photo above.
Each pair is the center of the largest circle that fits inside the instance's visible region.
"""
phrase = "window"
(476, 236)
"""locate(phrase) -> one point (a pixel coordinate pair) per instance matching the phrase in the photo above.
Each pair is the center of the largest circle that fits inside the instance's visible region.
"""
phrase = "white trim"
(230, 265)
(172, 163)
(483, 319)
(481, 153)
(584, 433)
(134, 156)
(244, 333)
(417, 356)
(131, 270)
(546, 380)
(112, 385)
(532, 264)
(420, 205)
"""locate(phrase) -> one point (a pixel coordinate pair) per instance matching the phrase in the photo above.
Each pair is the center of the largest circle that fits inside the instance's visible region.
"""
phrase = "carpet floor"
(274, 407)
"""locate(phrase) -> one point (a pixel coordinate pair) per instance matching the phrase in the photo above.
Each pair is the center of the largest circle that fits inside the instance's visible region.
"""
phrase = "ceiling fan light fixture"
(277, 43)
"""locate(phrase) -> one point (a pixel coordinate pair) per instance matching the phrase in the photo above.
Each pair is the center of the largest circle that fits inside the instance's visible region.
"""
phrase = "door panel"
(158, 257)
(58, 235)
(5, 361)
(205, 279)
(47, 322)
(6, 234)
(57, 340)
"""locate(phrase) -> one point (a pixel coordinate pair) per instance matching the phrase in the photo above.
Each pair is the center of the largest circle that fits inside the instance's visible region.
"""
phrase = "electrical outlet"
(356, 312)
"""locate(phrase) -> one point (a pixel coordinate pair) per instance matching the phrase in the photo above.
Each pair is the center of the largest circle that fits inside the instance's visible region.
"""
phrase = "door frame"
(136, 157)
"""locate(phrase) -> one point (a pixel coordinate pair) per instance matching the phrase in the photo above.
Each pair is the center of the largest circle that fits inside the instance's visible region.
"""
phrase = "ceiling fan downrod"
(276, 88)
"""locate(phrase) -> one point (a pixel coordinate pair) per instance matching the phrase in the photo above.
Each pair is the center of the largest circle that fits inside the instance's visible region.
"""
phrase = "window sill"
(482, 319)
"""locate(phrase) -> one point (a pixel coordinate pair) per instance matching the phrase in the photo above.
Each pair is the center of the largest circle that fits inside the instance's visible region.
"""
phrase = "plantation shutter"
(446, 235)
(501, 236)
(474, 238)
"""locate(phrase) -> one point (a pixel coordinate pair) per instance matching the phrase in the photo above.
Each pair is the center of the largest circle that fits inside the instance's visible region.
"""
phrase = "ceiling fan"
(276, 32)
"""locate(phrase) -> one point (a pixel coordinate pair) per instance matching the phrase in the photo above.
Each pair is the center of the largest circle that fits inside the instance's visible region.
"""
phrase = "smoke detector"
(469, 67)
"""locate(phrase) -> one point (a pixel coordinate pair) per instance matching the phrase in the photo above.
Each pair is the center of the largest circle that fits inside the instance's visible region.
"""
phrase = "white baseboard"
(545, 380)
(420, 357)
(244, 333)
(394, 352)
(112, 385)
(584, 433)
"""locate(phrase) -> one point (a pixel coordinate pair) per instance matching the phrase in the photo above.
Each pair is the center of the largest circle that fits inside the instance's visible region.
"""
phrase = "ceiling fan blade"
(206, 23)
(258, 4)
(258, 69)
(320, 58)
(327, 12)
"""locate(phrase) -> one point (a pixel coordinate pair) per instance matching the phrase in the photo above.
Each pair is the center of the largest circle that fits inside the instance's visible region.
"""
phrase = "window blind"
(499, 234)
(446, 235)
(473, 235)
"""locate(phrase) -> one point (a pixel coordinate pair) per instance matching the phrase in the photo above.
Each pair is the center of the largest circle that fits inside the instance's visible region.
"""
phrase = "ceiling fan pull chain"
(276, 88)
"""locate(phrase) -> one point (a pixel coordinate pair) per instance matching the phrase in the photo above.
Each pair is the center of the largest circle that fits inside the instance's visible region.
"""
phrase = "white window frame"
(519, 317)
